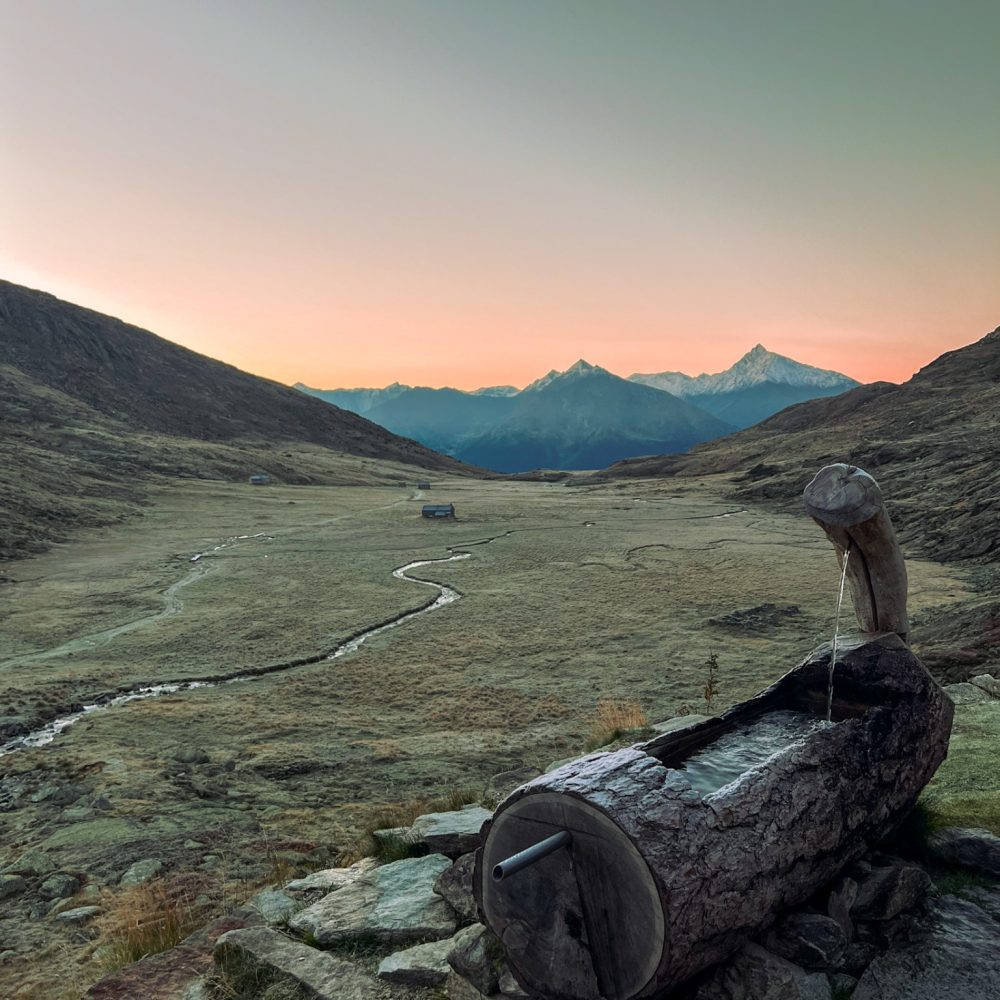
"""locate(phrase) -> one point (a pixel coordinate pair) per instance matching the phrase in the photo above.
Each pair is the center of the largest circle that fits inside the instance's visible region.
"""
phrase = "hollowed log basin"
(668, 868)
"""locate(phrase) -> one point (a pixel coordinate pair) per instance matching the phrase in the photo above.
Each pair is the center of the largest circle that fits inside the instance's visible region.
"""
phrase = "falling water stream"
(47, 733)
(836, 636)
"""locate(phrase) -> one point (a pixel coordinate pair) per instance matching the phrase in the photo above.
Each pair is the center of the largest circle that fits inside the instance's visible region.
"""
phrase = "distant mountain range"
(586, 417)
(933, 443)
(760, 384)
(92, 408)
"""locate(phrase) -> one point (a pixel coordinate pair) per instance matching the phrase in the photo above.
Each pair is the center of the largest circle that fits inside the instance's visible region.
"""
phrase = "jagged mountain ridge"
(759, 384)
(473, 423)
(932, 442)
(576, 418)
(92, 409)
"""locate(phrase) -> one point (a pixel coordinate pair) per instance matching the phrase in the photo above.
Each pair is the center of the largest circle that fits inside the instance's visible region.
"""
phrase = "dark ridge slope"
(93, 410)
(933, 442)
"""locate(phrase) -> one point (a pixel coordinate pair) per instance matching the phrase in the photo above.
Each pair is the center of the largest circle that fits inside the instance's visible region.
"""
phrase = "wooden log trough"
(649, 864)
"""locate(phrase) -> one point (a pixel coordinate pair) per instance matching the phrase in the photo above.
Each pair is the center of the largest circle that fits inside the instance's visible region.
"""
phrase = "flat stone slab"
(270, 957)
(395, 903)
(678, 722)
(451, 833)
(421, 965)
(331, 879)
(957, 958)
(988, 683)
(78, 915)
(965, 693)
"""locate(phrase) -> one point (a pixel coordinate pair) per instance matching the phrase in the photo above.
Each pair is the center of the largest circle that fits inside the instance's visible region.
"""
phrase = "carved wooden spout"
(847, 504)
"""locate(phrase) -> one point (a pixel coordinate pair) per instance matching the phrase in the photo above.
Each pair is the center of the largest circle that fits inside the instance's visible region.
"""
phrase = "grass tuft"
(614, 718)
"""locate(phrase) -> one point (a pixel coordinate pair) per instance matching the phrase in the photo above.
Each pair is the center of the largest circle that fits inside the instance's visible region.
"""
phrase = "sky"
(467, 193)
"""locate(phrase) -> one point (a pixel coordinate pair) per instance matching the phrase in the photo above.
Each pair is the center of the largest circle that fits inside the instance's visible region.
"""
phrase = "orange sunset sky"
(468, 193)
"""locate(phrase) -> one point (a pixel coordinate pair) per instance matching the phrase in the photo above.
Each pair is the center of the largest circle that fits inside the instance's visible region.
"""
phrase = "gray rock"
(454, 886)
(395, 903)
(812, 940)
(988, 683)
(885, 892)
(957, 958)
(11, 885)
(509, 986)
(987, 899)
(141, 871)
(978, 849)
(755, 974)
(421, 965)
(502, 784)
(78, 915)
(965, 693)
(30, 863)
(275, 907)
(271, 958)
(842, 984)
(478, 957)
(450, 833)
(838, 906)
(191, 755)
(457, 988)
(331, 879)
(58, 886)
(679, 722)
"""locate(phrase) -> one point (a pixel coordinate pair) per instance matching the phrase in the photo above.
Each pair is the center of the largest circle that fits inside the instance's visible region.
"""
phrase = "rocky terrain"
(932, 443)
(92, 410)
(916, 918)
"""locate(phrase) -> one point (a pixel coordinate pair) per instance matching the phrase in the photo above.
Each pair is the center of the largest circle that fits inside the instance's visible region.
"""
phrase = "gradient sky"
(466, 192)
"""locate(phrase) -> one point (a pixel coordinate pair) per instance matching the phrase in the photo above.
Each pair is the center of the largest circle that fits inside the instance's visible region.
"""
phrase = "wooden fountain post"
(847, 504)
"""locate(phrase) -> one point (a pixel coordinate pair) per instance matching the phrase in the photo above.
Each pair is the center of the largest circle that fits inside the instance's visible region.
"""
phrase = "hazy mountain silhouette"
(576, 419)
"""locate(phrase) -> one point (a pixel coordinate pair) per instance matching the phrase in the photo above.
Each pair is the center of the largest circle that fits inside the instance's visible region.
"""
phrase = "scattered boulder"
(59, 886)
(78, 915)
(275, 907)
(886, 892)
(812, 940)
(421, 965)
(977, 849)
(454, 886)
(191, 755)
(502, 784)
(141, 871)
(956, 958)
(478, 957)
(11, 885)
(263, 957)
(331, 879)
(988, 683)
(450, 833)
(395, 903)
(756, 974)
(965, 693)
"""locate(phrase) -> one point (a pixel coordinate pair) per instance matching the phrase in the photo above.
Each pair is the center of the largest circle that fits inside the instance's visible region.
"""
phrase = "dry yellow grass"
(613, 718)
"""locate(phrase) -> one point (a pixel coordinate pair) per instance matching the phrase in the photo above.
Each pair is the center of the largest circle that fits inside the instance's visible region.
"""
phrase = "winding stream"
(47, 733)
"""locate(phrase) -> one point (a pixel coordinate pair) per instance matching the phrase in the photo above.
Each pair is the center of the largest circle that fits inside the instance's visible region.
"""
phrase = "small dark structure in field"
(259, 479)
(423, 486)
(623, 874)
(438, 510)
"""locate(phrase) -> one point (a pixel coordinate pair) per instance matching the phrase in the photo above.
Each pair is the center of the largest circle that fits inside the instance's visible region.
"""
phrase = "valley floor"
(585, 593)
